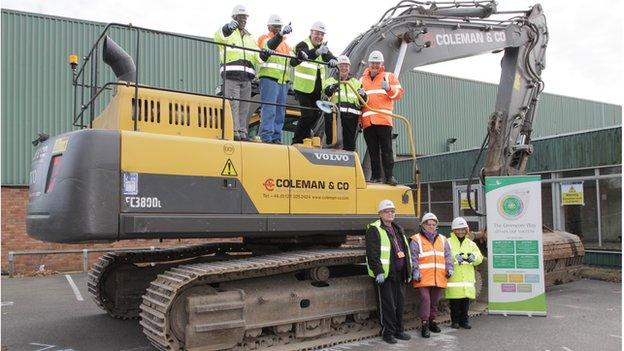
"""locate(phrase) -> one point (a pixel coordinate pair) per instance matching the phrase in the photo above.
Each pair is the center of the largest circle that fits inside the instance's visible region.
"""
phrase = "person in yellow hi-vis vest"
(460, 288)
(389, 264)
(432, 265)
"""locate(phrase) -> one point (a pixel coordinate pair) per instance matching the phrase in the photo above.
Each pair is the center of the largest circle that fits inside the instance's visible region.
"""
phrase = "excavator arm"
(410, 35)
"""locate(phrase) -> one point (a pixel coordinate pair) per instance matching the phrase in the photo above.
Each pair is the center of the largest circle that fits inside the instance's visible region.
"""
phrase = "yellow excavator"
(276, 268)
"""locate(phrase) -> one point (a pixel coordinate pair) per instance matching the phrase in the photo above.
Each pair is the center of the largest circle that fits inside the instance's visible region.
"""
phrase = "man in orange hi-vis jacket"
(382, 88)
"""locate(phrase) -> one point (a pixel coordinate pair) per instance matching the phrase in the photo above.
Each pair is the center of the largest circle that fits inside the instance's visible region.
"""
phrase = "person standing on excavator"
(308, 78)
(237, 67)
(346, 100)
(382, 89)
(274, 76)
(389, 263)
(460, 288)
(432, 265)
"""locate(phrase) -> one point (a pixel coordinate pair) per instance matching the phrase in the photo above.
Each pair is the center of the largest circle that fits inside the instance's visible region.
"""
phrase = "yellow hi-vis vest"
(276, 67)
(305, 72)
(385, 251)
(238, 59)
(462, 283)
(346, 99)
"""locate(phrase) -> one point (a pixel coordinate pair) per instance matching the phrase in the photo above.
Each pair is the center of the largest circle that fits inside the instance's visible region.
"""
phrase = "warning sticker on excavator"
(228, 169)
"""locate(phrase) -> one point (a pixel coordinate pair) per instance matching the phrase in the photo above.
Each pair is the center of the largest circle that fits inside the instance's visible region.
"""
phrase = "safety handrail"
(408, 126)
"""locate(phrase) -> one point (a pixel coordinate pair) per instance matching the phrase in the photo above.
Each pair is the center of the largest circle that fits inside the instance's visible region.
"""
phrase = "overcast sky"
(584, 56)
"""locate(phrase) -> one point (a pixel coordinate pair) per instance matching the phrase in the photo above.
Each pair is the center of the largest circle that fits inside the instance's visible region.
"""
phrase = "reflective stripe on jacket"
(386, 250)
(431, 262)
(275, 67)
(378, 98)
(238, 62)
(344, 97)
(462, 283)
(305, 72)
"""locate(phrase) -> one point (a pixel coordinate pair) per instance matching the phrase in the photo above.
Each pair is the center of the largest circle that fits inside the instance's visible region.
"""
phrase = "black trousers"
(349, 130)
(379, 140)
(459, 310)
(390, 304)
(308, 117)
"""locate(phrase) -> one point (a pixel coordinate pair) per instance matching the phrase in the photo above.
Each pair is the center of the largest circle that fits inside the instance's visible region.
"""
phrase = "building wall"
(14, 238)
(37, 95)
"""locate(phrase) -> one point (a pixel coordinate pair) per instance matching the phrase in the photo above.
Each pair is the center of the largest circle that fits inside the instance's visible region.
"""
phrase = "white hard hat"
(375, 56)
(384, 205)
(459, 223)
(428, 216)
(239, 10)
(318, 26)
(275, 20)
(343, 59)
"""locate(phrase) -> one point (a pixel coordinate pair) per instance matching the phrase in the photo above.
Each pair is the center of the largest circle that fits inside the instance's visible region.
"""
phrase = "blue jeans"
(271, 116)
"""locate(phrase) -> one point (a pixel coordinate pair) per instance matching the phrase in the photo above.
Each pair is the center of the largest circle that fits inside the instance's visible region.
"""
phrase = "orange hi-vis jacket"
(431, 263)
(282, 48)
(378, 98)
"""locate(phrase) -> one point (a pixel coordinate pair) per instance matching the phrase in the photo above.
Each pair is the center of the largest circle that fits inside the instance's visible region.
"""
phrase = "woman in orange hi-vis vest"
(432, 264)
(382, 88)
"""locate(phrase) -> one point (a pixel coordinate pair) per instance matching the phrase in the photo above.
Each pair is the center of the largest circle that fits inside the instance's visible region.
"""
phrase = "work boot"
(389, 339)
(465, 325)
(433, 326)
(375, 180)
(402, 336)
(424, 330)
(455, 325)
(392, 181)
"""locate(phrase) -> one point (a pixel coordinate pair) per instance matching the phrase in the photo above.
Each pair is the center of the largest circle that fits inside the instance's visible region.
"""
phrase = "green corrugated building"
(574, 138)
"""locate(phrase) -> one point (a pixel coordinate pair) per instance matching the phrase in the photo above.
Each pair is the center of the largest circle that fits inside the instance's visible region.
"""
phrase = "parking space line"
(615, 336)
(565, 348)
(6, 303)
(74, 288)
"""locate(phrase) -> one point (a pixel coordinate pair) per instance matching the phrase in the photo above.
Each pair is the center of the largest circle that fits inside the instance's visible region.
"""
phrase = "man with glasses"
(308, 78)
(389, 264)
(432, 265)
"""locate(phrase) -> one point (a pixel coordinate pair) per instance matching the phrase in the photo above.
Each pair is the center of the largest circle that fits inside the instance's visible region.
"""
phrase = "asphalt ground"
(49, 314)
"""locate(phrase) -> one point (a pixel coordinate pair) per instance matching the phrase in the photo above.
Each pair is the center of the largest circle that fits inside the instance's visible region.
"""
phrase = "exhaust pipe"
(119, 60)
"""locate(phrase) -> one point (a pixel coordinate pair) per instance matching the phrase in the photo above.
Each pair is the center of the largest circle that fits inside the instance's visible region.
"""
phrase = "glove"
(416, 276)
(286, 30)
(460, 258)
(361, 92)
(333, 63)
(385, 85)
(380, 278)
(233, 25)
(471, 258)
(449, 274)
(322, 50)
(266, 53)
(331, 89)
(302, 55)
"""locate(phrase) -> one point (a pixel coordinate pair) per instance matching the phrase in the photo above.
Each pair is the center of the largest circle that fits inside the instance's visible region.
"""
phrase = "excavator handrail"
(411, 139)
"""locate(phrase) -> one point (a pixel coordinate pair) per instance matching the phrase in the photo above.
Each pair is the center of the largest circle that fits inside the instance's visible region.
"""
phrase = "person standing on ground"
(274, 76)
(432, 265)
(382, 89)
(308, 78)
(460, 288)
(238, 67)
(346, 100)
(388, 263)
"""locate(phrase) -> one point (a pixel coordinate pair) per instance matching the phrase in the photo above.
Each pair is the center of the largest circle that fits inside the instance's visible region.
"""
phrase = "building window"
(611, 210)
(582, 220)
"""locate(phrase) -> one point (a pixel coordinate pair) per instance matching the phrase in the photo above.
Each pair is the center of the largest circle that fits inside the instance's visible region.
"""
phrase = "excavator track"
(117, 280)
(190, 308)
(162, 299)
